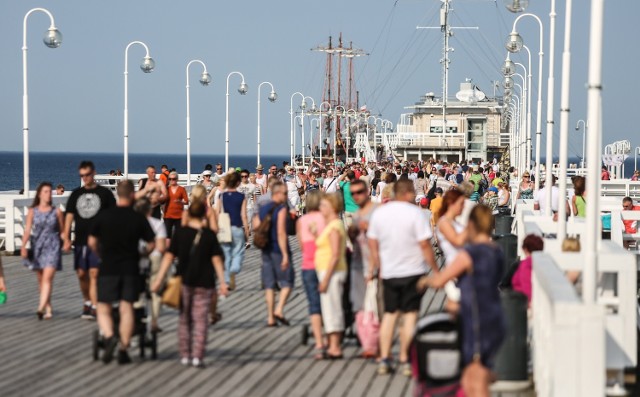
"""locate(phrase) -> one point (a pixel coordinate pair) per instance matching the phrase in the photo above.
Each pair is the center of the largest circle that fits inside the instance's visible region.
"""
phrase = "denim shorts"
(272, 273)
(84, 258)
(310, 281)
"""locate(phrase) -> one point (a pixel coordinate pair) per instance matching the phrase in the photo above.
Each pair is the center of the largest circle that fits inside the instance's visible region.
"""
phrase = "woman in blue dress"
(478, 268)
(43, 230)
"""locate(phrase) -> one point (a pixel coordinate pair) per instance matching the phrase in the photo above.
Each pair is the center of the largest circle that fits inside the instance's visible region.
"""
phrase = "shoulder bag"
(173, 289)
(262, 234)
(224, 224)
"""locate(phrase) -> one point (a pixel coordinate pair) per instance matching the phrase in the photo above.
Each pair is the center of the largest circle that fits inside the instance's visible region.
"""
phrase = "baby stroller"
(436, 356)
(146, 339)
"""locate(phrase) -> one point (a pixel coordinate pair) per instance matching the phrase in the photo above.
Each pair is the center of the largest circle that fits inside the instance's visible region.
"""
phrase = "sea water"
(62, 168)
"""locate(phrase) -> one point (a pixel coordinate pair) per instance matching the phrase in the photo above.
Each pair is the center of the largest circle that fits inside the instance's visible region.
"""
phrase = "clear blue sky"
(76, 91)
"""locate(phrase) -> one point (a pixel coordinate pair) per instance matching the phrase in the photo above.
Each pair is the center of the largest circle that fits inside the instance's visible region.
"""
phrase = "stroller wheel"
(96, 345)
(305, 335)
(154, 345)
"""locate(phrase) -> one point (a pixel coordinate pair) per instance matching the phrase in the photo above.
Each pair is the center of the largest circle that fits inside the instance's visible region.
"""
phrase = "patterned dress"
(45, 241)
(526, 194)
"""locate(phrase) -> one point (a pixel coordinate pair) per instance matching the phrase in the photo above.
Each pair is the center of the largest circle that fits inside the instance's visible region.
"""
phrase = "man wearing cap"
(261, 178)
(490, 198)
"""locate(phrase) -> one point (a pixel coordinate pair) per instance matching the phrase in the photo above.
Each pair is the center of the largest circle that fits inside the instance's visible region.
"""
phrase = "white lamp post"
(205, 80)
(52, 39)
(529, 71)
(335, 132)
(321, 127)
(522, 140)
(242, 90)
(291, 122)
(272, 98)
(147, 66)
(515, 44)
(585, 125)
(594, 115)
(313, 109)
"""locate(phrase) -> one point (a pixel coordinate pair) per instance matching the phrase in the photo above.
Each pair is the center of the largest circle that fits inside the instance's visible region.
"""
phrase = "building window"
(438, 130)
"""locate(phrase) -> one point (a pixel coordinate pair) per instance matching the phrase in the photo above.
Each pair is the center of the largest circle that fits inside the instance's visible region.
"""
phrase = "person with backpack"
(270, 235)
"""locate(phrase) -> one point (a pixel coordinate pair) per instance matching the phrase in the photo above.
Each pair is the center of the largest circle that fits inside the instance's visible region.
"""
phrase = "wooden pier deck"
(244, 358)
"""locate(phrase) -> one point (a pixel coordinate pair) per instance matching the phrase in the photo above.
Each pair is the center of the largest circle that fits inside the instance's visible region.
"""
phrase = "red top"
(521, 280)
(175, 202)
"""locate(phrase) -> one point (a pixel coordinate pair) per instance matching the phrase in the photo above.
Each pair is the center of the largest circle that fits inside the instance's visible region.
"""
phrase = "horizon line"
(146, 153)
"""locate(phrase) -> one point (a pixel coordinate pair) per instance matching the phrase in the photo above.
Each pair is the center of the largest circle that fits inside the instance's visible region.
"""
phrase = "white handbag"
(224, 224)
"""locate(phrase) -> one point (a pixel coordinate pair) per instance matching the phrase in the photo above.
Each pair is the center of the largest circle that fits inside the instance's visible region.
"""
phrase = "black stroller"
(146, 339)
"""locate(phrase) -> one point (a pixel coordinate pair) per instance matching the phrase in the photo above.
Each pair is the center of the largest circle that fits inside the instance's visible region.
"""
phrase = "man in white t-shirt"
(540, 197)
(400, 243)
(330, 184)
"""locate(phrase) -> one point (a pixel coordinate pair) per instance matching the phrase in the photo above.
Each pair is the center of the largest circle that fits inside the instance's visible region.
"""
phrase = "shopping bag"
(172, 292)
(367, 320)
(224, 228)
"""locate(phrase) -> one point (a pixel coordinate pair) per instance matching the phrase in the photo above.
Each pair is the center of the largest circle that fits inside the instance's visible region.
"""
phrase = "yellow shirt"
(435, 206)
(323, 247)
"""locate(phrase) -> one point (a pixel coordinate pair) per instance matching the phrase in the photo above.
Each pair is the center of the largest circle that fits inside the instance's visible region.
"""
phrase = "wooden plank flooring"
(53, 358)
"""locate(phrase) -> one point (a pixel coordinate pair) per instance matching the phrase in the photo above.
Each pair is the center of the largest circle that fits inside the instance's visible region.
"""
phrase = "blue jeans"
(233, 252)
(310, 280)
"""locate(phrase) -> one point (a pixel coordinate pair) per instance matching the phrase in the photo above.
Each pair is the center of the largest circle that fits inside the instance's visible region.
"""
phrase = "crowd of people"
(359, 226)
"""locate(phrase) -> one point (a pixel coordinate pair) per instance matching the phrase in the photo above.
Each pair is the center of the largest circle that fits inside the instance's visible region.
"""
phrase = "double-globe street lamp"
(242, 90)
(272, 98)
(52, 39)
(205, 80)
(147, 66)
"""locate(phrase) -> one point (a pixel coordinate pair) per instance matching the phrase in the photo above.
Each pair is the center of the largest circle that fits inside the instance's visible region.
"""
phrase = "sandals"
(282, 320)
(216, 319)
(319, 353)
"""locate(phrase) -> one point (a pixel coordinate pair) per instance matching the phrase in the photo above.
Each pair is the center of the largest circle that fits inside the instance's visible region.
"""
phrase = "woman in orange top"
(176, 200)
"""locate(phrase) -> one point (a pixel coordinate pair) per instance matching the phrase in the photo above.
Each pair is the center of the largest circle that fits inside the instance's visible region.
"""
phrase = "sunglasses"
(218, 169)
(207, 176)
(358, 192)
(173, 179)
(244, 176)
(85, 175)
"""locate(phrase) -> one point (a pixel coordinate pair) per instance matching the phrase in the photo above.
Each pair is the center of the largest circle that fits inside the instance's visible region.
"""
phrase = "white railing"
(575, 344)
(111, 181)
(427, 139)
(13, 212)
(568, 336)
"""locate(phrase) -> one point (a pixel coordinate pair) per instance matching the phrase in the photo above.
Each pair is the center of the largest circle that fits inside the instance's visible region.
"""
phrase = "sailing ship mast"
(333, 85)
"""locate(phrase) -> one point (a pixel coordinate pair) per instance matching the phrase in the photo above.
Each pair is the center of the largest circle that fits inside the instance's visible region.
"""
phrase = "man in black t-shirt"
(114, 236)
(83, 206)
